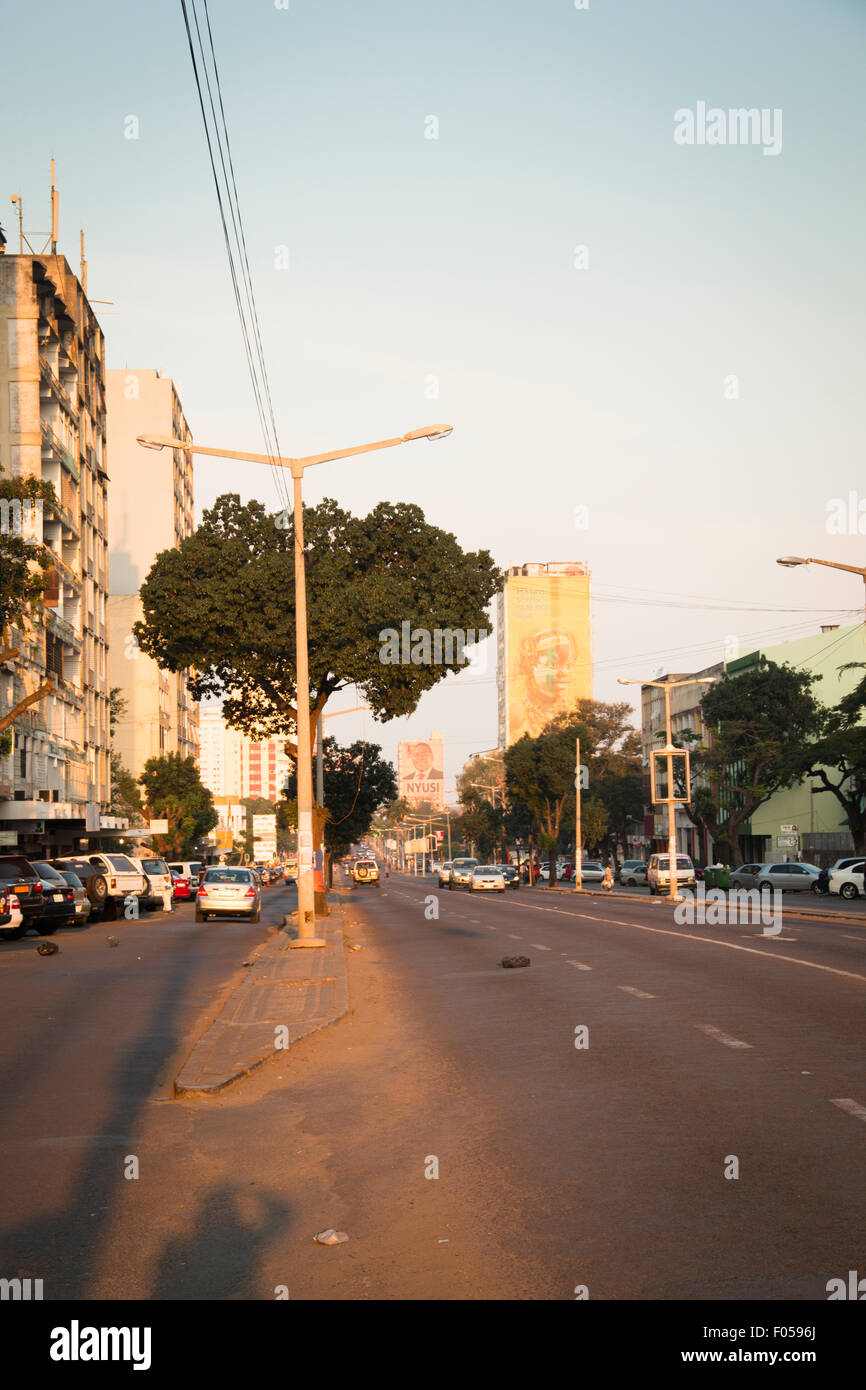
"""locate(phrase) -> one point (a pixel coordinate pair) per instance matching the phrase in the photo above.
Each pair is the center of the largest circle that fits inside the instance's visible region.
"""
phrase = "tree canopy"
(223, 605)
(358, 782)
(174, 792)
(25, 564)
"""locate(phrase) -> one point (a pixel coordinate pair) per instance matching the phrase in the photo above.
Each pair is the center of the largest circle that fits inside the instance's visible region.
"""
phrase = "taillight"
(114, 883)
(13, 902)
(69, 896)
(250, 893)
(202, 892)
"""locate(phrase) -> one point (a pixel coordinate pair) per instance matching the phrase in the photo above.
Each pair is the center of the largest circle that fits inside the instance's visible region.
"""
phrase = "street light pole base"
(308, 941)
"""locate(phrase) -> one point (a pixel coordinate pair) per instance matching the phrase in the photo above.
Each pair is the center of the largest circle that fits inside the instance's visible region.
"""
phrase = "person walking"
(607, 881)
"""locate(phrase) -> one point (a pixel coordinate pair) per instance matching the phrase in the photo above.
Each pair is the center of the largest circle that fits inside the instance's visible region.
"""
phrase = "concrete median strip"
(299, 991)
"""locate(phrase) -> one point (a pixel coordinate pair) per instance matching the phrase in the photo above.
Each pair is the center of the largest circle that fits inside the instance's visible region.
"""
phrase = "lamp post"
(791, 561)
(306, 892)
(669, 750)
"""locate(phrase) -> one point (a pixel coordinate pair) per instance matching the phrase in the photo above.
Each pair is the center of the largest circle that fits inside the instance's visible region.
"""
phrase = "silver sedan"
(228, 892)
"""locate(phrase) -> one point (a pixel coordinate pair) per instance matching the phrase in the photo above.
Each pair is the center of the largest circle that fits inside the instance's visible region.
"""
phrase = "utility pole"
(578, 831)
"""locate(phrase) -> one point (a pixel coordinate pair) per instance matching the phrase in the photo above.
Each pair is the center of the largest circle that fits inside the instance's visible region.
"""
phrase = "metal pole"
(306, 889)
(578, 829)
(448, 816)
(672, 810)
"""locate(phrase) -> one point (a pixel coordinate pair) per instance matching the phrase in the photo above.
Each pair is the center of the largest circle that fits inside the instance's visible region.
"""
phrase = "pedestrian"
(607, 881)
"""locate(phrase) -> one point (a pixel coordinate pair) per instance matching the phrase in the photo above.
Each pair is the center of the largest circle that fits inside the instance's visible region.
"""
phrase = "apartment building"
(234, 766)
(150, 510)
(55, 782)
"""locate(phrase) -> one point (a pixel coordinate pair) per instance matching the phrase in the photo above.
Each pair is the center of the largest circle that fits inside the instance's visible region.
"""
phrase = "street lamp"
(306, 891)
(790, 561)
(667, 687)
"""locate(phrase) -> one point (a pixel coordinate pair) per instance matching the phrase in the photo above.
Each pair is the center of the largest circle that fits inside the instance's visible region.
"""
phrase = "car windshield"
(46, 871)
(228, 876)
(121, 863)
(72, 879)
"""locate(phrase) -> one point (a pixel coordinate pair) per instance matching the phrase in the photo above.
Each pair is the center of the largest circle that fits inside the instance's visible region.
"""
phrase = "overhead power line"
(225, 183)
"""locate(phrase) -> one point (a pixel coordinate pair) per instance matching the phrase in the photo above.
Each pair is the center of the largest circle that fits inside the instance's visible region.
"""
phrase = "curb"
(302, 991)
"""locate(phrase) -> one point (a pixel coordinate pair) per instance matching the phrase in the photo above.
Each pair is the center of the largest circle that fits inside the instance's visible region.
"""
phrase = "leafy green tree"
(358, 783)
(841, 749)
(760, 720)
(174, 792)
(223, 604)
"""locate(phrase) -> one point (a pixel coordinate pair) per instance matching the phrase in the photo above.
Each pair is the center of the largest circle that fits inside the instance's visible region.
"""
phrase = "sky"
(689, 384)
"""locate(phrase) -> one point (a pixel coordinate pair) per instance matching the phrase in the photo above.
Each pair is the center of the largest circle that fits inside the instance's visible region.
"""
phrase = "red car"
(180, 886)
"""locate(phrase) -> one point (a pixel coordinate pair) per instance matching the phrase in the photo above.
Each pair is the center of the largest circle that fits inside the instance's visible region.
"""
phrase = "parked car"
(822, 882)
(592, 871)
(848, 882)
(19, 878)
(510, 874)
(228, 891)
(181, 887)
(486, 879)
(12, 924)
(461, 873)
(790, 878)
(658, 874)
(444, 875)
(746, 876)
(83, 906)
(634, 876)
(59, 909)
(109, 880)
(189, 869)
(159, 882)
(627, 866)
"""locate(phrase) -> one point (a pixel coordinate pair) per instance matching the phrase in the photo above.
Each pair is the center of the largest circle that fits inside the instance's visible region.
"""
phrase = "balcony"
(55, 384)
(59, 449)
(62, 629)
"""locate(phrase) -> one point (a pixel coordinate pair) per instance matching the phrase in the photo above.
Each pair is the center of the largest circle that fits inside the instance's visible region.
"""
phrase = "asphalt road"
(708, 1048)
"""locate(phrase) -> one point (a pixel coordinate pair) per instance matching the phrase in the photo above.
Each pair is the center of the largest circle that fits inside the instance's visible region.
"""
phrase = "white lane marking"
(720, 1036)
(765, 936)
(845, 937)
(513, 937)
(538, 946)
(851, 1108)
(578, 965)
(704, 940)
(638, 993)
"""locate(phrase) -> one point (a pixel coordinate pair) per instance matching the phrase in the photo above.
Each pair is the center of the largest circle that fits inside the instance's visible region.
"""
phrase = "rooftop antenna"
(16, 198)
(54, 201)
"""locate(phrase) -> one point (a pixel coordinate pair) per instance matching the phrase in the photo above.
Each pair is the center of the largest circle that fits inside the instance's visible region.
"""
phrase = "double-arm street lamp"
(791, 561)
(306, 892)
(669, 750)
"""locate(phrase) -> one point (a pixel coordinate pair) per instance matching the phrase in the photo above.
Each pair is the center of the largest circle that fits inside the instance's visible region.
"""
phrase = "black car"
(18, 876)
(510, 874)
(59, 910)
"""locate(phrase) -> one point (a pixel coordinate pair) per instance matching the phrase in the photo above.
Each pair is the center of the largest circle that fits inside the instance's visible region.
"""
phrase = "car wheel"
(765, 887)
(13, 933)
(97, 890)
(848, 890)
(47, 928)
(816, 889)
(200, 916)
(254, 917)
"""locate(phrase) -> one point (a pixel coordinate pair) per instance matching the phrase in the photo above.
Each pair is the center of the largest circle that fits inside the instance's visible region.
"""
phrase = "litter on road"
(514, 962)
(330, 1237)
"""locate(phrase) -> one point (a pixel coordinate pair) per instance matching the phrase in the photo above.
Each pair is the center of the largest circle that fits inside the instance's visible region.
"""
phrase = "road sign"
(786, 842)
(788, 829)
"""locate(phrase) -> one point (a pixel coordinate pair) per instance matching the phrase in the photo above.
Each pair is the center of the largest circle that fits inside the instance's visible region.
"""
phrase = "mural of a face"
(422, 757)
(552, 662)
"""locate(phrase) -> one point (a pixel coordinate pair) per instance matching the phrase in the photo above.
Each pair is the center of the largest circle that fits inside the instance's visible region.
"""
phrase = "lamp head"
(429, 432)
(147, 442)
(790, 560)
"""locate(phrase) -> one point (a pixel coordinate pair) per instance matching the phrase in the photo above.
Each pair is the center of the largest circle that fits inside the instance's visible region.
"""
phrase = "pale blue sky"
(453, 258)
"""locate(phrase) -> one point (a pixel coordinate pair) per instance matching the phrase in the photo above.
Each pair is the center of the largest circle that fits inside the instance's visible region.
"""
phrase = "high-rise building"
(544, 645)
(150, 510)
(234, 766)
(55, 783)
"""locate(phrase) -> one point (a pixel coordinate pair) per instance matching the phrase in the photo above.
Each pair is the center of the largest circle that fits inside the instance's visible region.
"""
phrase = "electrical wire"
(245, 302)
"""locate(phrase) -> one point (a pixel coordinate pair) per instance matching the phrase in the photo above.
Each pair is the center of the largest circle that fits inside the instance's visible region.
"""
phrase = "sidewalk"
(301, 990)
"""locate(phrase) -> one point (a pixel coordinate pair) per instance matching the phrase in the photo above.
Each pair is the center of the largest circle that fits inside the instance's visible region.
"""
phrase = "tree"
(761, 720)
(358, 782)
(841, 748)
(125, 793)
(223, 604)
(540, 773)
(174, 792)
(25, 567)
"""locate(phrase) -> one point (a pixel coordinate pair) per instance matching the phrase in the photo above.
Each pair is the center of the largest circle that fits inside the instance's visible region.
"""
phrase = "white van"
(658, 874)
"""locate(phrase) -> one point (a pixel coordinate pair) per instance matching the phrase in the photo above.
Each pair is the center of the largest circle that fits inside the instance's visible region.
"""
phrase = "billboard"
(421, 772)
(544, 646)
